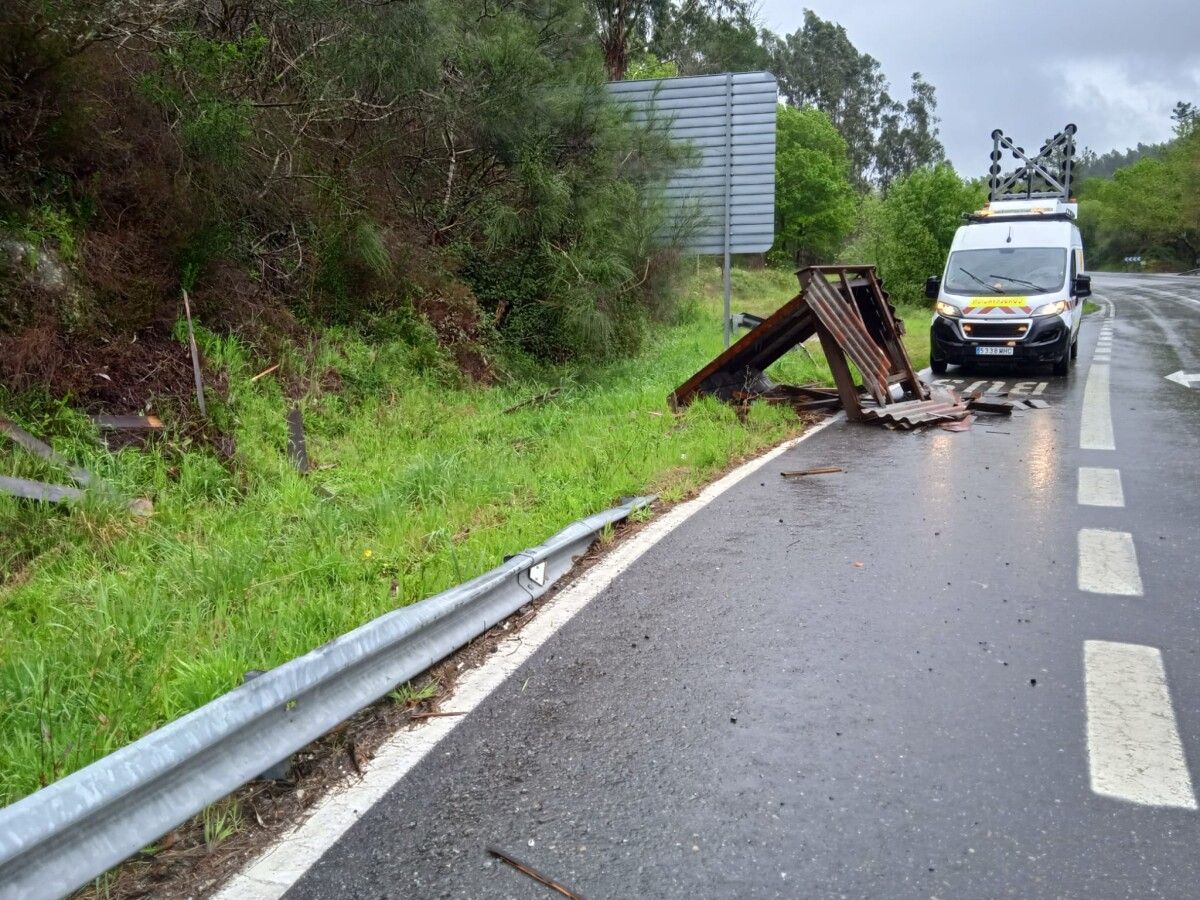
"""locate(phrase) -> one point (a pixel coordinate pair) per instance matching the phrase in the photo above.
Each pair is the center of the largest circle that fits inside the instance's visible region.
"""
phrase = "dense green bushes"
(1150, 208)
(338, 158)
(907, 230)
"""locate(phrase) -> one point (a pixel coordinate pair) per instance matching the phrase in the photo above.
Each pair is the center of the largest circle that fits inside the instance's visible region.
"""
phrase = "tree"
(814, 198)
(704, 37)
(907, 231)
(1150, 207)
(622, 26)
(819, 66)
(647, 66)
(1185, 115)
(908, 134)
(697, 36)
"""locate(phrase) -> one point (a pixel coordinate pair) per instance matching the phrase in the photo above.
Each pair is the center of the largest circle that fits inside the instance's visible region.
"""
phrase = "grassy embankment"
(111, 626)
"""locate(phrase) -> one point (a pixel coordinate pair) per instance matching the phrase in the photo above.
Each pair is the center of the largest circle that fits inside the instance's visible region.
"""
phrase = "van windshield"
(1006, 270)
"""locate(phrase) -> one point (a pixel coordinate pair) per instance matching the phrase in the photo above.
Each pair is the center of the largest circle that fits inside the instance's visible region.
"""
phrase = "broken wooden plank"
(265, 372)
(26, 489)
(127, 423)
(525, 869)
(819, 470)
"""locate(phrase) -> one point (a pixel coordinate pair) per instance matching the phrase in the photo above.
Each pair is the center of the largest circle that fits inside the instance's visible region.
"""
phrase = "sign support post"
(727, 320)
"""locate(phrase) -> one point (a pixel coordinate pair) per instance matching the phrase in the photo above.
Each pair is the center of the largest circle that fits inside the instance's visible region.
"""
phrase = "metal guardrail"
(59, 838)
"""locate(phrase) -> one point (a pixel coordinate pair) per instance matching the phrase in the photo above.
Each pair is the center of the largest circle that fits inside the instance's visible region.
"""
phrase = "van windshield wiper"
(1019, 281)
(975, 277)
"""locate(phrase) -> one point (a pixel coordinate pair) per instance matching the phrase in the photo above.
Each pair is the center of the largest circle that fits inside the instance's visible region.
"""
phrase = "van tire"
(1075, 349)
(937, 366)
(1062, 366)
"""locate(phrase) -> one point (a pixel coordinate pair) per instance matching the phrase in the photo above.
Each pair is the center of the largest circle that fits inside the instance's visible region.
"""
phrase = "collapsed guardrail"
(60, 837)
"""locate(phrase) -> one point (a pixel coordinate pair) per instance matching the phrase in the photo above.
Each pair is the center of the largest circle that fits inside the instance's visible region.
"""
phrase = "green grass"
(111, 626)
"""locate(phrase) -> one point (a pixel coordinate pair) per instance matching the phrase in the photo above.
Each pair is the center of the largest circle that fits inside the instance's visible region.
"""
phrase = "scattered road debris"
(819, 470)
(536, 400)
(436, 714)
(265, 372)
(40, 448)
(25, 489)
(943, 405)
(297, 448)
(963, 424)
(526, 869)
(127, 423)
(848, 310)
(187, 309)
(850, 315)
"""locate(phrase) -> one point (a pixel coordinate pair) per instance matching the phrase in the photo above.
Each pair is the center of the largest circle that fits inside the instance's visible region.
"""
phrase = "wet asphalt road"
(859, 685)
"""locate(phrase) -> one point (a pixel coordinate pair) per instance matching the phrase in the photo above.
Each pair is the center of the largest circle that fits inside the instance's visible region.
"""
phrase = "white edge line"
(282, 864)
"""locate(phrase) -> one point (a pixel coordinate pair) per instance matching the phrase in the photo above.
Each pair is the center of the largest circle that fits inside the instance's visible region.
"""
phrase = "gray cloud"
(1112, 67)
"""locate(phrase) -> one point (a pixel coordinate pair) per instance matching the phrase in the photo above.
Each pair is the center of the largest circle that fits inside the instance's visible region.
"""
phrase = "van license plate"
(993, 351)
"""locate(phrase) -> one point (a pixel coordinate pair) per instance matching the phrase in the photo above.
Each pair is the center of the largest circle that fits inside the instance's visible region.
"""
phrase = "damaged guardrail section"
(57, 839)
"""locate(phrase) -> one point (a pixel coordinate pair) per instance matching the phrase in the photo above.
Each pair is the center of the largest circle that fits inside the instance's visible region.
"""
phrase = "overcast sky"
(1113, 67)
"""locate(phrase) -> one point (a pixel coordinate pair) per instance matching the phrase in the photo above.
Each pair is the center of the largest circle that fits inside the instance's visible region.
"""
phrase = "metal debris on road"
(852, 317)
(848, 310)
(526, 869)
(819, 470)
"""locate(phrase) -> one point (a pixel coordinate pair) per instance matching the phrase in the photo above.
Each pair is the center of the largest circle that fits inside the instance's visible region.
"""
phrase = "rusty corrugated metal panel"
(791, 324)
(841, 318)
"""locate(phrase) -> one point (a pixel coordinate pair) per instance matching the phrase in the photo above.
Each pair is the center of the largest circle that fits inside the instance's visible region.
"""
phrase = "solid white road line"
(270, 875)
(1100, 487)
(1108, 563)
(1096, 428)
(1134, 751)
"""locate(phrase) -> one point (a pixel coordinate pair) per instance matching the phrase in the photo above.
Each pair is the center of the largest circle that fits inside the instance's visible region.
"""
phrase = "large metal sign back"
(724, 200)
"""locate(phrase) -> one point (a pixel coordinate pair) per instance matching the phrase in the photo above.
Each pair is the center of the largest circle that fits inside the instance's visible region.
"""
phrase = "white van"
(1013, 288)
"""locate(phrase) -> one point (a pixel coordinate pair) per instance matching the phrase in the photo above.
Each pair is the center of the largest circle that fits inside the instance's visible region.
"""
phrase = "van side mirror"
(933, 286)
(1083, 286)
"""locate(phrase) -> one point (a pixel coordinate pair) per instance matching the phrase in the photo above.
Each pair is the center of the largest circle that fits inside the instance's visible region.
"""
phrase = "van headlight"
(950, 312)
(1052, 309)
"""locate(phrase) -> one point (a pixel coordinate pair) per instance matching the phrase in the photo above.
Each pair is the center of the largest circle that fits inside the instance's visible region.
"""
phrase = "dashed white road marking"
(1108, 563)
(1096, 428)
(1134, 751)
(271, 875)
(1100, 487)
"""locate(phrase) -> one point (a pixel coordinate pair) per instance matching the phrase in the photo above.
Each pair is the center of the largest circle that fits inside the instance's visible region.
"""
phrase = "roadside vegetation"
(1145, 203)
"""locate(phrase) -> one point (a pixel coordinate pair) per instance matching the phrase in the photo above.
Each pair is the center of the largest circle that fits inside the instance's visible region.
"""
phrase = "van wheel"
(1075, 349)
(937, 366)
(1063, 365)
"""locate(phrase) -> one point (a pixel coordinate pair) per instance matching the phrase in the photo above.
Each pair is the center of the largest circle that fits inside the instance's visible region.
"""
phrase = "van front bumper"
(1047, 339)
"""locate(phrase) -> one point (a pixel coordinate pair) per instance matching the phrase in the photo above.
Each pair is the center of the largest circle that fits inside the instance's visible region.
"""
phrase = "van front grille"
(1010, 330)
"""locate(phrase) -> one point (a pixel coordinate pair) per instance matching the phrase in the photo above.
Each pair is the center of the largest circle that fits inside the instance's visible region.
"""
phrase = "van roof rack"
(1045, 176)
(978, 217)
